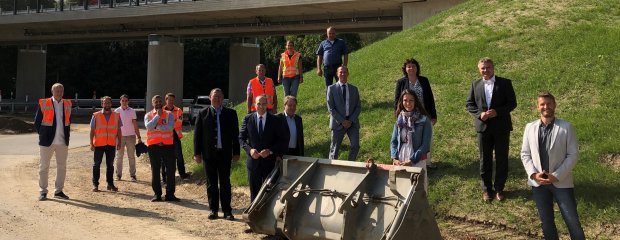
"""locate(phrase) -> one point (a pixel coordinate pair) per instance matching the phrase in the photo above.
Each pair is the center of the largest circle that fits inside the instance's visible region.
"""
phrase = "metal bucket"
(310, 198)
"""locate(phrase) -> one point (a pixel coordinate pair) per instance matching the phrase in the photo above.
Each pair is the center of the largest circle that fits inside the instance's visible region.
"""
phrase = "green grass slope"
(569, 47)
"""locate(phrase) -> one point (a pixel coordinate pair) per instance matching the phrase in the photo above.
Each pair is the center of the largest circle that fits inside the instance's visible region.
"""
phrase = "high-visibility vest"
(289, 65)
(105, 130)
(46, 105)
(257, 90)
(157, 136)
(178, 120)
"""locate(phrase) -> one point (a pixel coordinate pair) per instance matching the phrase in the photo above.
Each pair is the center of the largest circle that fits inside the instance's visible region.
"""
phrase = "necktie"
(260, 126)
(344, 93)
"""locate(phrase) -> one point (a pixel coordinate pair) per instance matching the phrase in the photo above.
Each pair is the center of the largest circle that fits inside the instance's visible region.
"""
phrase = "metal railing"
(33, 6)
(17, 106)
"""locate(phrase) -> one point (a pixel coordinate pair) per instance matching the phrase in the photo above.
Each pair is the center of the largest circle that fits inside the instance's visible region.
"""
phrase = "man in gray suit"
(343, 103)
(549, 154)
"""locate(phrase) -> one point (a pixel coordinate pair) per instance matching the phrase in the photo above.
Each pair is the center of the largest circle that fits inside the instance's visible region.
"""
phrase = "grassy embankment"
(568, 47)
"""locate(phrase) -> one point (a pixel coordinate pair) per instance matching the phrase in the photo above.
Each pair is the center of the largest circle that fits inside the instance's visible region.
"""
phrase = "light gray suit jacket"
(337, 109)
(563, 152)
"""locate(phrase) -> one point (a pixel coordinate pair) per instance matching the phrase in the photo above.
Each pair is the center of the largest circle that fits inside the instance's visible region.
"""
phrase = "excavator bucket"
(310, 198)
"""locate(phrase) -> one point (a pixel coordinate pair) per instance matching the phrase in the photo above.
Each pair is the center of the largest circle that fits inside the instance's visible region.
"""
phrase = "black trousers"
(487, 143)
(259, 174)
(293, 151)
(218, 170)
(159, 154)
(180, 161)
(109, 152)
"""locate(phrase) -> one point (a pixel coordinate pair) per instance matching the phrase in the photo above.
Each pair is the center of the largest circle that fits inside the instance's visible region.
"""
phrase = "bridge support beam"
(30, 81)
(165, 68)
(416, 12)
(243, 60)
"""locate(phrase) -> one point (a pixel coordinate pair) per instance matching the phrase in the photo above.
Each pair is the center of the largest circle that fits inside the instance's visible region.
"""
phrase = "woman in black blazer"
(420, 85)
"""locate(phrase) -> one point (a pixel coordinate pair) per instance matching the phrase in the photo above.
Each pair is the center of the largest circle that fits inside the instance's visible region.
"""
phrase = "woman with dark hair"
(411, 137)
(420, 86)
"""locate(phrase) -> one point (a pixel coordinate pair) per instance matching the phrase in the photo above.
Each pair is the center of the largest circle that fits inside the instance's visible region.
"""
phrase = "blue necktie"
(260, 126)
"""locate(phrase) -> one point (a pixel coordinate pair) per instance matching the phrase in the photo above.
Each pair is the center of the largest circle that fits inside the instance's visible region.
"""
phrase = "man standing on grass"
(549, 153)
(344, 106)
(216, 144)
(490, 101)
(332, 53)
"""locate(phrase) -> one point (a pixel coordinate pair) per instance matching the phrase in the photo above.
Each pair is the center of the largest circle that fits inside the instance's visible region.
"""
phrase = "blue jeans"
(329, 73)
(290, 85)
(565, 197)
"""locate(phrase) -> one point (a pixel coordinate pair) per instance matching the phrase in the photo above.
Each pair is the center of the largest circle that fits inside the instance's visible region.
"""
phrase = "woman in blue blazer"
(411, 137)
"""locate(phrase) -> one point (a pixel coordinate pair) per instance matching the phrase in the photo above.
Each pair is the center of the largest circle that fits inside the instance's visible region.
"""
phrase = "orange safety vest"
(178, 120)
(105, 130)
(157, 136)
(257, 90)
(46, 105)
(289, 65)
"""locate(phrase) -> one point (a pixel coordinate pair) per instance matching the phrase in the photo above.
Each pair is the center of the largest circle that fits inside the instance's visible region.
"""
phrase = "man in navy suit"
(293, 126)
(344, 106)
(262, 138)
(490, 101)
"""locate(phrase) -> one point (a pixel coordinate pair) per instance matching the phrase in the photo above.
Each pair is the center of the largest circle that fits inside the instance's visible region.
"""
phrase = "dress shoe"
(61, 195)
(134, 179)
(118, 178)
(486, 196)
(186, 175)
(42, 197)
(229, 216)
(112, 188)
(500, 196)
(171, 198)
(248, 230)
(95, 189)
(156, 198)
(431, 166)
(212, 216)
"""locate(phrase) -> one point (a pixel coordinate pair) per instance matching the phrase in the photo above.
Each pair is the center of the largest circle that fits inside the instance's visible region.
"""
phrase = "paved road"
(27, 144)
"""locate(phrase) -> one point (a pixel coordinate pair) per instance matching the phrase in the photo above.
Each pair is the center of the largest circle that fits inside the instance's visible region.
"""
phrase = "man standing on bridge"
(52, 121)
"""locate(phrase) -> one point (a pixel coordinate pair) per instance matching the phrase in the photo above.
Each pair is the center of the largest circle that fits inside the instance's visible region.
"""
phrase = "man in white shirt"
(129, 131)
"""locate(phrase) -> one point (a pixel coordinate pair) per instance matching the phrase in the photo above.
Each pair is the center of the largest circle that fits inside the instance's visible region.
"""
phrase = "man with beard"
(549, 153)
(159, 129)
(105, 138)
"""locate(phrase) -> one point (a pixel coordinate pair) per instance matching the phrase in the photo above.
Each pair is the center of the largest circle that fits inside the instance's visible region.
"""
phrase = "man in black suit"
(262, 138)
(293, 126)
(215, 142)
(490, 101)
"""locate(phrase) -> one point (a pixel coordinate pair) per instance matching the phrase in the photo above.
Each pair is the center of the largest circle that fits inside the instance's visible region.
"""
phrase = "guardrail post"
(111, 4)
(164, 1)
(62, 5)
(14, 7)
(85, 4)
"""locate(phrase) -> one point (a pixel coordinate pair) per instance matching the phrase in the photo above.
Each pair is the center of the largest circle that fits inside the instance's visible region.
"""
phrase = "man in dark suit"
(293, 126)
(490, 101)
(344, 106)
(262, 138)
(53, 123)
(215, 142)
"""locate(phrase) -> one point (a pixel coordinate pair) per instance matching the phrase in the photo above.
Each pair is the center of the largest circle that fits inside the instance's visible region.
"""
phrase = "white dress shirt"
(488, 89)
(59, 137)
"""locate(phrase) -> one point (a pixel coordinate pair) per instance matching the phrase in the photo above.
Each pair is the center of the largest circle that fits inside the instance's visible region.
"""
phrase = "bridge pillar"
(165, 68)
(416, 12)
(243, 60)
(30, 81)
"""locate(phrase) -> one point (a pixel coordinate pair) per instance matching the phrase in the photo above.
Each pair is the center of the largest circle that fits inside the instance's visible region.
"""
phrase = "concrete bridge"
(165, 23)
